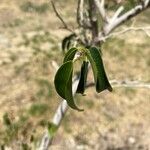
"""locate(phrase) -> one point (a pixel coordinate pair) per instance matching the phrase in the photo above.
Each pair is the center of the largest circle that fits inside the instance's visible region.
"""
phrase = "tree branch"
(114, 34)
(80, 17)
(94, 22)
(59, 115)
(128, 15)
(101, 8)
(125, 83)
(117, 20)
(117, 13)
(65, 26)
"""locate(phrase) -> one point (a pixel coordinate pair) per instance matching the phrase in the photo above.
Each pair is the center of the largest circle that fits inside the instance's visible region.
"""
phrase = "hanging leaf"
(66, 42)
(101, 81)
(83, 77)
(63, 83)
(70, 54)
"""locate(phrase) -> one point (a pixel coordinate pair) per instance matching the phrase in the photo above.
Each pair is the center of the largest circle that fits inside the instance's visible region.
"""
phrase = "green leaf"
(52, 128)
(63, 83)
(101, 80)
(66, 42)
(70, 54)
(83, 77)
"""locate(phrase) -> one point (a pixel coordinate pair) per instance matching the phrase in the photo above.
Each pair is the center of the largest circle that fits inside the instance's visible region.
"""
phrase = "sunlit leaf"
(101, 81)
(83, 77)
(63, 83)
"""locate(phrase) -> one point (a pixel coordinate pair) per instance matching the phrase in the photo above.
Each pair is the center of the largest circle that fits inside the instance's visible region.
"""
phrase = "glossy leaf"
(101, 80)
(63, 83)
(83, 77)
(70, 54)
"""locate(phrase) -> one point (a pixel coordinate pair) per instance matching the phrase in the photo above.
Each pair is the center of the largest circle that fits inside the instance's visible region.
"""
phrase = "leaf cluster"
(63, 77)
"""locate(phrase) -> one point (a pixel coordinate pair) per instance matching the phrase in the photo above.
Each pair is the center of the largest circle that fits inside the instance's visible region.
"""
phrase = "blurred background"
(30, 40)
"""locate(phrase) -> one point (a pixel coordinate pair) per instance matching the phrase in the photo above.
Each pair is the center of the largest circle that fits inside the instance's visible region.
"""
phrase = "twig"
(117, 13)
(124, 83)
(117, 20)
(65, 26)
(131, 28)
(80, 18)
(101, 8)
(93, 20)
(128, 15)
(144, 29)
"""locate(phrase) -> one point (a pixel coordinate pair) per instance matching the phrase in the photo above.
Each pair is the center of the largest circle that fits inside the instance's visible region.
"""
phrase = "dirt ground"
(30, 39)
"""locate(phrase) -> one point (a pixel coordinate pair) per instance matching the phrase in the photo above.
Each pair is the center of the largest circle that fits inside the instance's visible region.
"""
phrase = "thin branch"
(101, 8)
(60, 112)
(94, 21)
(80, 18)
(130, 84)
(128, 15)
(59, 115)
(117, 13)
(125, 83)
(147, 33)
(65, 26)
(144, 29)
